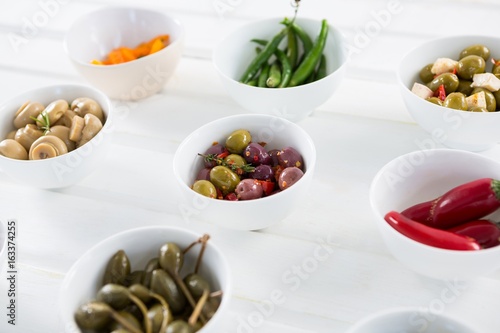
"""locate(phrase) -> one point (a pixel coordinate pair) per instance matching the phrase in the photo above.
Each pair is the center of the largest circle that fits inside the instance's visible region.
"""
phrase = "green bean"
(263, 56)
(321, 71)
(274, 78)
(252, 83)
(264, 74)
(286, 74)
(292, 50)
(307, 42)
(309, 63)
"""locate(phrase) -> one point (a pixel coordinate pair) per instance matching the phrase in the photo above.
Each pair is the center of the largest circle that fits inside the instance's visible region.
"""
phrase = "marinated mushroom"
(66, 119)
(54, 111)
(62, 132)
(13, 149)
(92, 126)
(47, 146)
(11, 135)
(26, 113)
(84, 105)
(27, 135)
(75, 131)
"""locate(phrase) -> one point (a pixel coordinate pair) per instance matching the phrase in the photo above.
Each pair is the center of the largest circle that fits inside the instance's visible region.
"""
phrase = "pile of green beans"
(301, 61)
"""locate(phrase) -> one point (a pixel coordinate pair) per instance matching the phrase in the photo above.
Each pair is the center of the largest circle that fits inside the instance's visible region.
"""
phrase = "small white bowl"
(84, 278)
(235, 52)
(473, 131)
(95, 34)
(421, 176)
(410, 319)
(254, 214)
(66, 169)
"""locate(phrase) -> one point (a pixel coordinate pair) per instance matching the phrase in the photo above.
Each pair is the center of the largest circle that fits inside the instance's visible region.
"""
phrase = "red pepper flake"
(224, 154)
(231, 197)
(267, 186)
(440, 92)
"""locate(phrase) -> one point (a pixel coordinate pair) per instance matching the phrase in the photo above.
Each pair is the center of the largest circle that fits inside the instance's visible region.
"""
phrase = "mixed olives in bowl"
(246, 156)
(176, 281)
(57, 137)
(241, 169)
(442, 79)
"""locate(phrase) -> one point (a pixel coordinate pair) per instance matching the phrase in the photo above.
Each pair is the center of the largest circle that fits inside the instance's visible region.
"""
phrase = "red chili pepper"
(467, 202)
(485, 232)
(440, 92)
(231, 197)
(267, 186)
(430, 236)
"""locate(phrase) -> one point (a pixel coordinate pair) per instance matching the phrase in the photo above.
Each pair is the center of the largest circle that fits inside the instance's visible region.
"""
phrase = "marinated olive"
(449, 80)
(262, 172)
(224, 179)
(238, 140)
(491, 103)
(205, 187)
(496, 94)
(235, 159)
(289, 176)
(273, 153)
(464, 87)
(435, 100)
(455, 101)
(425, 74)
(203, 174)
(470, 65)
(289, 157)
(478, 50)
(255, 154)
(216, 149)
(249, 189)
(478, 109)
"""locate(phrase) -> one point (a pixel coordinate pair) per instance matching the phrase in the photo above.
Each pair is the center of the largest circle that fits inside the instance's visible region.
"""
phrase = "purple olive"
(204, 174)
(273, 153)
(215, 149)
(262, 172)
(249, 189)
(255, 154)
(289, 176)
(289, 157)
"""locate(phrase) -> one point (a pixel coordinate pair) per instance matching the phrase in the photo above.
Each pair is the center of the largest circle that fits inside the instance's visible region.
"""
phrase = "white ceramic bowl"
(474, 131)
(421, 176)
(255, 214)
(409, 320)
(66, 169)
(95, 34)
(84, 278)
(235, 52)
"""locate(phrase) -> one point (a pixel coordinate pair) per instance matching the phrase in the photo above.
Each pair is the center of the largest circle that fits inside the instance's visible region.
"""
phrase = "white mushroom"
(54, 111)
(84, 105)
(25, 113)
(13, 149)
(75, 132)
(62, 132)
(47, 146)
(92, 126)
(27, 135)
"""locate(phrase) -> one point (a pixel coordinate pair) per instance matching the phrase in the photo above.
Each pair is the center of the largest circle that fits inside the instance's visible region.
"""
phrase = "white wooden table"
(354, 136)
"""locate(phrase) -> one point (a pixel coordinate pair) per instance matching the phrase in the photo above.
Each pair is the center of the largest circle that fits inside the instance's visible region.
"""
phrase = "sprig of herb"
(239, 169)
(44, 123)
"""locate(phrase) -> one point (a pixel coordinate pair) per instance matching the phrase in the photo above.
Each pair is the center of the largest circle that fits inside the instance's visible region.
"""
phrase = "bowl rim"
(401, 310)
(427, 43)
(107, 126)
(341, 35)
(310, 165)
(153, 229)
(394, 233)
(83, 17)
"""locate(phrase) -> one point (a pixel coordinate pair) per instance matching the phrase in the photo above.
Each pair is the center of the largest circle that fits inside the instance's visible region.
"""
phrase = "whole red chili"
(467, 202)
(485, 232)
(430, 236)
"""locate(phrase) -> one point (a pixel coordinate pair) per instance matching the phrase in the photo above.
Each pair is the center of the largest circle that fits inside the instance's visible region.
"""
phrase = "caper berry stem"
(204, 239)
(187, 293)
(198, 308)
(123, 322)
(147, 324)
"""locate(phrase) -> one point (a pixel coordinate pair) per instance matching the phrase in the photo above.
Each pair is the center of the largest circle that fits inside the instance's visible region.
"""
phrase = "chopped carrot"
(125, 54)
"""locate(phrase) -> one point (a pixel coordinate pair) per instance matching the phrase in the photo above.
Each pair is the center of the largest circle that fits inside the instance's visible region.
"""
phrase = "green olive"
(235, 159)
(179, 326)
(478, 109)
(470, 65)
(435, 100)
(224, 179)
(449, 80)
(238, 140)
(464, 87)
(117, 269)
(496, 94)
(206, 188)
(425, 74)
(478, 50)
(491, 103)
(163, 285)
(171, 258)
(455, 101)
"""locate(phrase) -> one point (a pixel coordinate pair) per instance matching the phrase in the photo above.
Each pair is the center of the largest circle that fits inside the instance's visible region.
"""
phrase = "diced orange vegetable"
(125, 54)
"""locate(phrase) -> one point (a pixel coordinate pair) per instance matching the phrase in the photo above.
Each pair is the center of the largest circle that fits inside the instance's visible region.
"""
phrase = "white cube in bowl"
(94, 35)
(473, 131)
(410, 319)
(277, 133)
(235, 52)
(84, 279)
(421, 176)
(66, 169)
